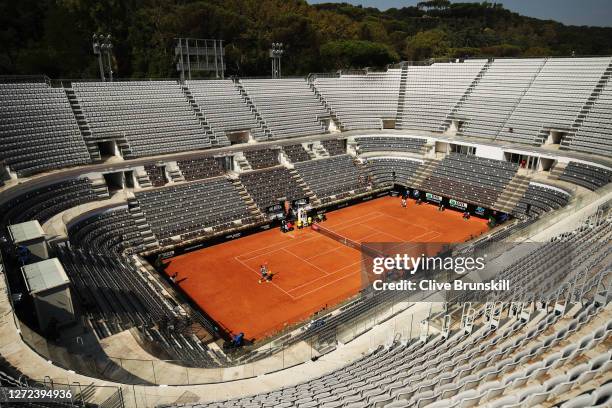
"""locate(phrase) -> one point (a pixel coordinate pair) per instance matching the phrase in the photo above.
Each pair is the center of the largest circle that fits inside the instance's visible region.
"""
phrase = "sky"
(572, 12)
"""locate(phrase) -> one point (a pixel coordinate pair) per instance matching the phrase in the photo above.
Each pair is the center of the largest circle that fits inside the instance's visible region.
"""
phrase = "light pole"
(102, 44)
(98, 52)
(108, 47)
(276, 52)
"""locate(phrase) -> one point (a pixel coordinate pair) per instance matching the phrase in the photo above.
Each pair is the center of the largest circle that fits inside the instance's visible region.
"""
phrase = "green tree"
(356, 54)
(427, 44)
(53, 37)
(503, 50)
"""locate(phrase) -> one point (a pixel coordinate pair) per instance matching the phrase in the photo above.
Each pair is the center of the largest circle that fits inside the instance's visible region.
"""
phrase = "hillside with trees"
(53, 37)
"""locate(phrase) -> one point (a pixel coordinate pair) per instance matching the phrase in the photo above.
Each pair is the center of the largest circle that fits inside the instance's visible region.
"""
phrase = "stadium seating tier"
(38, 129)
(151, 117)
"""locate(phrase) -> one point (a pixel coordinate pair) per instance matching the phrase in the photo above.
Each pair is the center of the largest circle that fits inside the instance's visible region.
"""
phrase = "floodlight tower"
(107, 46)
(276, 52)
(98, 52)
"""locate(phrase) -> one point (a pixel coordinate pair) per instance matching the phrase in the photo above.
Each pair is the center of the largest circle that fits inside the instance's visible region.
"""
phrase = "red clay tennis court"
(310, 270)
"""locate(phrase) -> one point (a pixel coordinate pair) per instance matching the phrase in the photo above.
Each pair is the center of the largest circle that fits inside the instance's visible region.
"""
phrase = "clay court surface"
(310, 270)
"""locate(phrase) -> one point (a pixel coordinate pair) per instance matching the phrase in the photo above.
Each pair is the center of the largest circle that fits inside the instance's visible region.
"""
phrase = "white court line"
(427, 231)
(302, 259)
(306, 261)
(322, 253)
(366, 217)
(322, 286)
(341, 246)
(322, 277)
(327, 284)
(281, 245)
(288, 245)
(402, 241)
(343, 225)
(354, 263)
(328, 273)
(409, 223)
(274, 284)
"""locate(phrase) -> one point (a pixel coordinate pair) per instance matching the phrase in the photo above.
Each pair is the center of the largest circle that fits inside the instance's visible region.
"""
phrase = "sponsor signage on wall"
(450, 203)
(433, 197)
(300, 201)
(457, 204)
(276, 208)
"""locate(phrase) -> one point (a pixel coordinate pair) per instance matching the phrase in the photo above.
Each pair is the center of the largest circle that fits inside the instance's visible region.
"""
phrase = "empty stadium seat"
(269, 185)
(288, 107)
(296, 153)
(432, 91)
(224, 108)
(189, 209)
(541, 199)
(594, 135)
(260, 159)
(39, 130)
(152, 117)
(44, 202)
(336, 176)
(585, 175)
(470, 178)
(195, 169)
(390, 144)
(361, 101)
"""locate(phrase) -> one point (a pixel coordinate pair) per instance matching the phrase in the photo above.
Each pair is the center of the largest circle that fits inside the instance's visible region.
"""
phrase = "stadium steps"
(284, 158)
(176, 175)
(253, 108)
(115, 400)
(86, 133)
(557, 171)
(312, 197)
(81, 120)
(124, 146)
(422, 173)
(242, 161)
(538, 140)
(217, 139)
(246, 197)
(324, 342)
(327, 106)
(99, 187)
(451, 115)
(588, 105)
(175, 172)
(512, 194)
(402, 97)
(311, 154)
(320, 151)
(148, 237)
(143, 180)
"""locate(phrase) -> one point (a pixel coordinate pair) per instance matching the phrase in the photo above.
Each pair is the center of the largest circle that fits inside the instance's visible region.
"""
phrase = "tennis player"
(263, 270)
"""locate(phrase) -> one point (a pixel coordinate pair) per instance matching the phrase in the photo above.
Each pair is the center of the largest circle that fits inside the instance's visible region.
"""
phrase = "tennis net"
(346, 241)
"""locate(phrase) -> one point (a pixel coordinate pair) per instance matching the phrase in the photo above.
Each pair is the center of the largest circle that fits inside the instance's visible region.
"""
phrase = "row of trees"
(54, 36)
